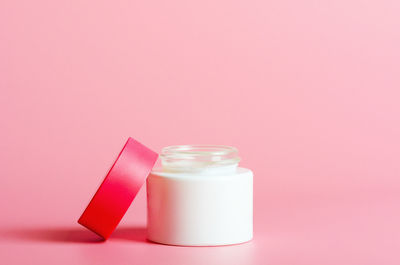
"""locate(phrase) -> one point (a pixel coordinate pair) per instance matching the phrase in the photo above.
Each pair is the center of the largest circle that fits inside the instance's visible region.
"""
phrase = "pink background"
(307, 90)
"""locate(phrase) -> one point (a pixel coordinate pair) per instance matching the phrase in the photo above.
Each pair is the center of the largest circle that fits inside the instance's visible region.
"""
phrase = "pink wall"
(308, 91)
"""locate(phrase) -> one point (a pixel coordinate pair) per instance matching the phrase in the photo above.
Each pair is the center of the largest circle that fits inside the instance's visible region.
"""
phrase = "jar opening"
(198, 157)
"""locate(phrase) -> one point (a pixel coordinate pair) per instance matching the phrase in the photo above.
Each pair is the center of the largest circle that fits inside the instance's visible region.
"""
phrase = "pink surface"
(307, 90)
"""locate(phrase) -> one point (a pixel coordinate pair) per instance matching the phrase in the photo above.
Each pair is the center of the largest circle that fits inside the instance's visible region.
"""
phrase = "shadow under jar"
(200, 197)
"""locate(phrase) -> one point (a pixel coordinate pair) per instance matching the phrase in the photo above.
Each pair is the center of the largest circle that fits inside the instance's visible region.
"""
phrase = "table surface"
(339, 228)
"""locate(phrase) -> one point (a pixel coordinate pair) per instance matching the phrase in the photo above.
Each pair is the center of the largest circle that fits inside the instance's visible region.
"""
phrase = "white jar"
(200, 197)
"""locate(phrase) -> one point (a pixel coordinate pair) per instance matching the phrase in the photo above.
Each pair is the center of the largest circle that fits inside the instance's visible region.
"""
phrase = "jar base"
(200, 245)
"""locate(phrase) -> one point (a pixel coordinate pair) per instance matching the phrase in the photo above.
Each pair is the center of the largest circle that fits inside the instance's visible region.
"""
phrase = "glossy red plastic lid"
(119, 188)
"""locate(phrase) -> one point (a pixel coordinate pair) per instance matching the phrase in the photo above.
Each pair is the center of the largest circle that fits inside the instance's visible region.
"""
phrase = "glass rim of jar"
(198, 156)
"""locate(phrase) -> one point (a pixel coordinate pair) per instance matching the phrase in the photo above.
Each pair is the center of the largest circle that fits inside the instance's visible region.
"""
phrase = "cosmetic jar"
(200, 197)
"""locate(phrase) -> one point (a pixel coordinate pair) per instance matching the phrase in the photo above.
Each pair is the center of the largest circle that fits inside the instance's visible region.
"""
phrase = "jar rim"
(198, 156)
(201, 150)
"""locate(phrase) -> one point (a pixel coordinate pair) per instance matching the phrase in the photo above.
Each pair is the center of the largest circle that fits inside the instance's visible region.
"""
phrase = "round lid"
(119, 188)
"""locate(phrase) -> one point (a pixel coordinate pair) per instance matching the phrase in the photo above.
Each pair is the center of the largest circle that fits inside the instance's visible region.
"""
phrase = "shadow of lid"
(72, 235)
(56, 234)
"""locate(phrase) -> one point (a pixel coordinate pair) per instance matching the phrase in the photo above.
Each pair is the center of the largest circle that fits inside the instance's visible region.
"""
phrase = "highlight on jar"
(198, 196)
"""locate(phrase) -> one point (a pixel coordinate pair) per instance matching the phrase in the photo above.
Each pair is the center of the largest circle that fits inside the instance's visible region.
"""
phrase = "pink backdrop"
(307, 90)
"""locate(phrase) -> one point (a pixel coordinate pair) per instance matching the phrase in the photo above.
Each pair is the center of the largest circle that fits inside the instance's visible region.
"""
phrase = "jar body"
(200, 209)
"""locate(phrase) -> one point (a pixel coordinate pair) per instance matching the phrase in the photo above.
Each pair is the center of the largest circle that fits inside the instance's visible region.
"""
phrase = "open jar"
(200, 197)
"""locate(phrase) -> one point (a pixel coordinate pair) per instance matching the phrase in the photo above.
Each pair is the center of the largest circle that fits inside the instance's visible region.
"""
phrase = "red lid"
(119, 188)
